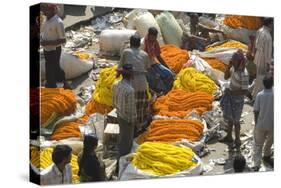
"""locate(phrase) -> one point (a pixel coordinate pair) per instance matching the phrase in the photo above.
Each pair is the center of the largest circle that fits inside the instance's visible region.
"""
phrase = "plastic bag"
(171, 30)
(72, 65)
(112, 41)
(144, 21)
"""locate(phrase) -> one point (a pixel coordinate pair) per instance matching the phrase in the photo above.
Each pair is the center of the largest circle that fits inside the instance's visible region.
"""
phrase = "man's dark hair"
(127, 71)
(267, 21)
(239, 163)
(152, 31)
(60, 153)
(268, 82)
(90, 141)
(135, 41)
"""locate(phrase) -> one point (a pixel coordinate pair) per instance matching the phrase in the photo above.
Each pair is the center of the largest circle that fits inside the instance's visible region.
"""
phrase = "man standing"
(263, 53)
(52, 37)
(124, 102)
(263, 132)
(140, 62)
(233, 100)
(60, 172)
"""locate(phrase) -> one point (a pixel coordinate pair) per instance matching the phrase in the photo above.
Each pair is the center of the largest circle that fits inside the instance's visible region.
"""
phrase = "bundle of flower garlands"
(69, 129)
(191, 80)
(174, 57)
(227, 44)
(216, 64)
(56, 102)
(103, 91)
(179, 103)
(172, 131)
(163, 159)
(248, 22)
(95, 107)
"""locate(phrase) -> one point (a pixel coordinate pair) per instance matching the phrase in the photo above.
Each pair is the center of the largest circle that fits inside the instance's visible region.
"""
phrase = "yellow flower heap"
(228, 44)
(42, 158)
(82, 55)
(163, 159)
(103, 92)
(190, 80)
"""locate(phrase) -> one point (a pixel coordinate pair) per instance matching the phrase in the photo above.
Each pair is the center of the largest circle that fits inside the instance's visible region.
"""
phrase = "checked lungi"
(142, 108)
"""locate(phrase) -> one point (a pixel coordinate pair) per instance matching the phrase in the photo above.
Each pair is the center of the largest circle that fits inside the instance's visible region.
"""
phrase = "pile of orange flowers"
(69, 129)
(56, 102)
(174, 57)
(95, 107)
(179, 103)
(248, 22)
(172, 131)
(216, 64)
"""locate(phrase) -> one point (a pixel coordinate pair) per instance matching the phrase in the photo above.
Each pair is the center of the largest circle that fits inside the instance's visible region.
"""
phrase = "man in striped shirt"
(125, 104)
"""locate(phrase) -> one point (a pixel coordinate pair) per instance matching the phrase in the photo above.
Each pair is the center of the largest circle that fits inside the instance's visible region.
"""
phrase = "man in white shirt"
(51, 38)
(263, 53)
(263, 132)
(60, 172)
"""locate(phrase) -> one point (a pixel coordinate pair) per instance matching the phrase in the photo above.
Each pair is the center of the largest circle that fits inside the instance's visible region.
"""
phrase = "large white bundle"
(222, 54)
(202, 66)
(111, 41)
(128, 20)
(72, 65)
(241, 34)
(144, 21)
(171, 30)
(208, 22)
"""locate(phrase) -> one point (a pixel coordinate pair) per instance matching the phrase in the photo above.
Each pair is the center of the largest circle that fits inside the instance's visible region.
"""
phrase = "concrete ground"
(226, 151)
(75, 15)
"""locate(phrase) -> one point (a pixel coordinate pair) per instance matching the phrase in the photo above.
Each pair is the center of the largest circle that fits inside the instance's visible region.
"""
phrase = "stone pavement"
(75, 15)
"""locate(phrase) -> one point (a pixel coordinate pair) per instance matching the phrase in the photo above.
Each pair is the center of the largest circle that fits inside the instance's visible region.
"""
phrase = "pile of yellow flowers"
(228, 44)
(82, 55)
(42, 158)
(190, 80)
(103, 92)
(163, 159)
(248, 22)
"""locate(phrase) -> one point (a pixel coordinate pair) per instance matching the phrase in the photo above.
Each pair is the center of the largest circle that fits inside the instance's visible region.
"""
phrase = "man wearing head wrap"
(51, 38)
(233, 100)
(125, 103)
